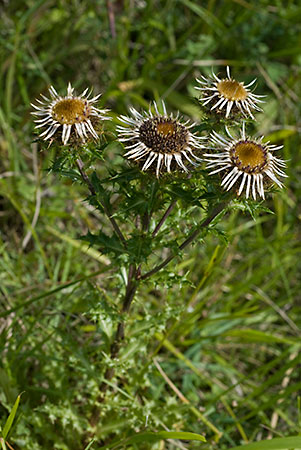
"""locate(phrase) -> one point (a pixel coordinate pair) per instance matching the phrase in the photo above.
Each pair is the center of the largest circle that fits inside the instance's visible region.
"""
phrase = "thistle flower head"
(160, 140)
(68, 115)
(228, 95)
(245, 162)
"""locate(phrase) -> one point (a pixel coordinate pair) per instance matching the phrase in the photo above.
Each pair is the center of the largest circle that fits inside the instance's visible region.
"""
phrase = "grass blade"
(288, 443)
(2, 442)
(11, 418)
(90, 444)
(153, 437)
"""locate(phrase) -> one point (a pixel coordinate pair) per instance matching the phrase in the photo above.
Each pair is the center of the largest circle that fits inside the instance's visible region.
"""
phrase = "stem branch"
(131, 289)
(86, 179)
(187, 241)
(164, 217)
(84, 176)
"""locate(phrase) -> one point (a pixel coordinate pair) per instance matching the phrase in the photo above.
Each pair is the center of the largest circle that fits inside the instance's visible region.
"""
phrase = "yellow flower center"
(249, 156)
(70, 111)
(166, 128)
(232, 90)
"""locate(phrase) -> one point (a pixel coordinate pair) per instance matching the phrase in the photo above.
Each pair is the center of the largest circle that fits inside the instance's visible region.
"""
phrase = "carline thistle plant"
(174, 172)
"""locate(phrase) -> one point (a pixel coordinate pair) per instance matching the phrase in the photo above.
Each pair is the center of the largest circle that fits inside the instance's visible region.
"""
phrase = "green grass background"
(234, 353)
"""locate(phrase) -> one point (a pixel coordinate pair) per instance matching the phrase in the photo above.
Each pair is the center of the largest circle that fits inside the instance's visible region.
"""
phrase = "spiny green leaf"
(107, 244)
